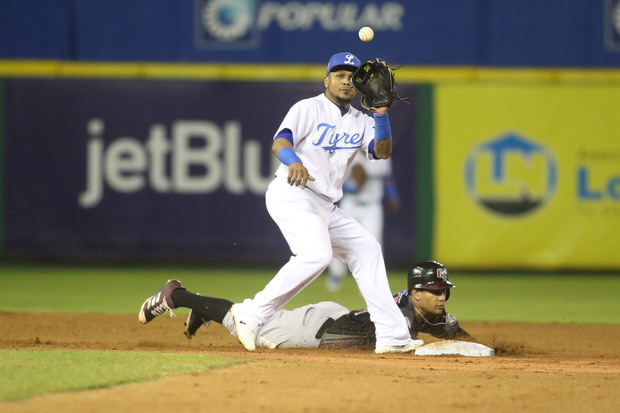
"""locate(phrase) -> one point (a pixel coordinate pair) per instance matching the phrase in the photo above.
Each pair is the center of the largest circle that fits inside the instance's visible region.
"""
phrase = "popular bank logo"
(239, 23)
(226, 21)
(510, 175)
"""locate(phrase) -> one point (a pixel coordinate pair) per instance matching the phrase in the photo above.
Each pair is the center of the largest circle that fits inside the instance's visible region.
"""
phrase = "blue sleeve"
(391, 192)
(371, 149)
(286, 134)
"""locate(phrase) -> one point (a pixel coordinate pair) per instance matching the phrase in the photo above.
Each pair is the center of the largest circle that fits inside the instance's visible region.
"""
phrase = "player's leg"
(298, 328)
(363, 254)
(174, 295)
(372, 219)
(203, 309)
(302, 218)
(338, 269)
(336, 272)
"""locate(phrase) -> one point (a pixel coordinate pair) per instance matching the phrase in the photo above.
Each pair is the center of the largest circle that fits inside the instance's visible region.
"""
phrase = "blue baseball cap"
(345, 59)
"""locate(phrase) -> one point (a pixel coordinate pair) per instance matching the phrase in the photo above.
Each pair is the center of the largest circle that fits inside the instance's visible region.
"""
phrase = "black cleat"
(194, 322)
(159, 303)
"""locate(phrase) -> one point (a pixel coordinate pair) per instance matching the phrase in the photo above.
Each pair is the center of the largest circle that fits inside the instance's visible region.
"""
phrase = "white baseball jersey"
(326, 141)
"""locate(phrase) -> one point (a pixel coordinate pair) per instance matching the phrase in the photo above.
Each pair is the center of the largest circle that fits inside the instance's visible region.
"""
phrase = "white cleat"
(407, 348)
(245, 334)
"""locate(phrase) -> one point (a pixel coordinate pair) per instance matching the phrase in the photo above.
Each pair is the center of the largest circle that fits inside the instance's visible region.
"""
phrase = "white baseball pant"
(317, 230)
(370, 216)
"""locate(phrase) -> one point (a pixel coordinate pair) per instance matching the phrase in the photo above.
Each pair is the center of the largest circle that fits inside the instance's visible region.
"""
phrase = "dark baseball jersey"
(355, 329)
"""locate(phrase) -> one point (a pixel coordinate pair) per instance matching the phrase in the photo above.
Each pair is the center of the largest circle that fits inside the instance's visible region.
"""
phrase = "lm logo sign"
(510, 175)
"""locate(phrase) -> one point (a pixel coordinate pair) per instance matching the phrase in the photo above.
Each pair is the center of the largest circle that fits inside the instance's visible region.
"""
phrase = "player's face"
(338, 87)
(430, 301)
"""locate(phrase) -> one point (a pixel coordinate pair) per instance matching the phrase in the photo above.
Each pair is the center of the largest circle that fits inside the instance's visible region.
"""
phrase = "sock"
(210, 308)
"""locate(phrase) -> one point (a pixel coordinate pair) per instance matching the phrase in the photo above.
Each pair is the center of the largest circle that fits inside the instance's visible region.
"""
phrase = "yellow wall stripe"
(292, 72)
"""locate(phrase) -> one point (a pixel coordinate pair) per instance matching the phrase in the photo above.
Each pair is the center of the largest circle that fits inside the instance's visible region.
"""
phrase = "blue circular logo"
(510, 175)
(227, 20)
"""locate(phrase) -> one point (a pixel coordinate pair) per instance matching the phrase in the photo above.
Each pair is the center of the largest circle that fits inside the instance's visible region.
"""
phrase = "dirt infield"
(538, 367)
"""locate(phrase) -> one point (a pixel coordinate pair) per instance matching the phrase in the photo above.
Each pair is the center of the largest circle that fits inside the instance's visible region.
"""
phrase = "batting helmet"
(429, 275)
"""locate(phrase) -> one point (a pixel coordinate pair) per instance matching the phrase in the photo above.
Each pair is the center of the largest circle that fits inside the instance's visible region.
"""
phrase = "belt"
(324, 328)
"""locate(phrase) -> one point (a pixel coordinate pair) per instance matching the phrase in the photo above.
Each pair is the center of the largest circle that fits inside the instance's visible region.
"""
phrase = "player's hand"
(394, 205)
(298, 175)
(380, 111)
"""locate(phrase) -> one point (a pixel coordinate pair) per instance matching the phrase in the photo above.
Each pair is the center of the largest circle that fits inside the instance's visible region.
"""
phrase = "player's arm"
(391, 193)
(350, 330)
(359, 175)
(463, 335)
(297, 172)
(383, 133)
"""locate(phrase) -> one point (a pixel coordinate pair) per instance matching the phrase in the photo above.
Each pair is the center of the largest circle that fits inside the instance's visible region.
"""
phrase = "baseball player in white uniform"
(316, 143)
(369, 181)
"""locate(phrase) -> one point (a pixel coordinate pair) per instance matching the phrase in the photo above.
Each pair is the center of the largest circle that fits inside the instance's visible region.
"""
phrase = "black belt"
(324, 328)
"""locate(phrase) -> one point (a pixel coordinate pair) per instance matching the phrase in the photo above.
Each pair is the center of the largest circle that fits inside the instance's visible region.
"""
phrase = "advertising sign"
(612, 24)
(527, 176)
(555, 33)
(164, 169)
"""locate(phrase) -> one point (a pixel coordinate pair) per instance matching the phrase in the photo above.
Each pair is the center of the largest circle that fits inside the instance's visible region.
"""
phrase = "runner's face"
(430, 301)
(338, 87)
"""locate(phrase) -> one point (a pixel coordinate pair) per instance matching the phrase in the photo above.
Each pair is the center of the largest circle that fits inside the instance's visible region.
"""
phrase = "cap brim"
(343, 67)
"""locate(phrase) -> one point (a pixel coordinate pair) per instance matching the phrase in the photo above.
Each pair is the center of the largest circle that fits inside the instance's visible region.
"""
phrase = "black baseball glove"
(374, 81)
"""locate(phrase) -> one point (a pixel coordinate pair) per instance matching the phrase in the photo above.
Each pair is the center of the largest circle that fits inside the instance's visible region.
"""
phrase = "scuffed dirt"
(538, 367)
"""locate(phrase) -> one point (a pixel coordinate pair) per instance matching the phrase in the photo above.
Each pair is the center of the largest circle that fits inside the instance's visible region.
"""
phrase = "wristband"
(382, 127)
(288, 156)
(391, 192)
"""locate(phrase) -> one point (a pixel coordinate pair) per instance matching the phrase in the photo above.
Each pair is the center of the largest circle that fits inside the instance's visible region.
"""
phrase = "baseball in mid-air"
(366, 34)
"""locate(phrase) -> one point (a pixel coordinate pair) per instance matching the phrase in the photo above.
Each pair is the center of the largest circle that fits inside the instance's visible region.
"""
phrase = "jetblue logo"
(510, 175)
(331, 141)
(612, 24)
(188, 157)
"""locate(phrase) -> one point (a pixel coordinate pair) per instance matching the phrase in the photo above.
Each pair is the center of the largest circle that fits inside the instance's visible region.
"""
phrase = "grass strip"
(532, 297)
(28, 373)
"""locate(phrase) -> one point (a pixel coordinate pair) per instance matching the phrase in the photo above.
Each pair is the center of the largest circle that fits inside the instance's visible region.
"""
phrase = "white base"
(452, 347)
